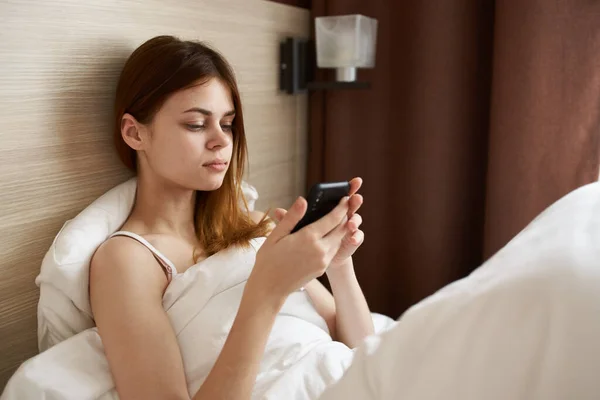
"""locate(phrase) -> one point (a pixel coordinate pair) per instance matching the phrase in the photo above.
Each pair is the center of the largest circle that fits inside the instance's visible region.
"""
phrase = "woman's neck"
(162, 208)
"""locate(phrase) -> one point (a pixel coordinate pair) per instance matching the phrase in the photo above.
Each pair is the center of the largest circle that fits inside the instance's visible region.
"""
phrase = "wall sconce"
(344, 43)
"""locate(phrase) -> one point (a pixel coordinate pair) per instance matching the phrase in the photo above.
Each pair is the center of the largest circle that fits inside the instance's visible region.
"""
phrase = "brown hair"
(155, 70)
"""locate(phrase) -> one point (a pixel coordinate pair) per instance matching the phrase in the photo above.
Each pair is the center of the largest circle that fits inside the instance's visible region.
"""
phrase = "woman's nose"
(219, 138)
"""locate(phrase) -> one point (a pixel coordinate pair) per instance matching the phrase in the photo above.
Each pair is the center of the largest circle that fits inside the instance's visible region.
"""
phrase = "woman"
(179, 126)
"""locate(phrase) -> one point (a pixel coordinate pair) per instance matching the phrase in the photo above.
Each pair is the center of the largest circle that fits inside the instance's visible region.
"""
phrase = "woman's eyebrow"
(208, 112)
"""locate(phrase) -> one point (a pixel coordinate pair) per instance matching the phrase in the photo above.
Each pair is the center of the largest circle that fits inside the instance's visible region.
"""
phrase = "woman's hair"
(154, 71)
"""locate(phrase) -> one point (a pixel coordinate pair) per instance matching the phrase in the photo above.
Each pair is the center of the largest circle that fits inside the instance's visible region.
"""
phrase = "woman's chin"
(211, 184)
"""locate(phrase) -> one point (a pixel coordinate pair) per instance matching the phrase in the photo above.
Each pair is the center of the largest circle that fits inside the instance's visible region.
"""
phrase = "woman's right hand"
(286, 262)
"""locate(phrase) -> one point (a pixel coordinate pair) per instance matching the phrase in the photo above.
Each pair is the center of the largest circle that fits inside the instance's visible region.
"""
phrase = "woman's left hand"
(354, 236)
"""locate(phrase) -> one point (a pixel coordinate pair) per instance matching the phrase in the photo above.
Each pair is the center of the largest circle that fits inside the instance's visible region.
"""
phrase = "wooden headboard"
(59, 64)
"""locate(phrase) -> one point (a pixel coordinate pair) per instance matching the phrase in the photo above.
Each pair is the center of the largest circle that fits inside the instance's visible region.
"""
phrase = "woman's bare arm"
(346, 311)
(234, 374)
(126, 289)
(353, 318)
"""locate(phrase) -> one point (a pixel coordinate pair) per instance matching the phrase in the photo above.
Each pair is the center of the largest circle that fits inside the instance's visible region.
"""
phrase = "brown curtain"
(480, 114)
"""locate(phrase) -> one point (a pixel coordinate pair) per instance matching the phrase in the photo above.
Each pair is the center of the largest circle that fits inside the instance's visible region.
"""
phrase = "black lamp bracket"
(297, 65)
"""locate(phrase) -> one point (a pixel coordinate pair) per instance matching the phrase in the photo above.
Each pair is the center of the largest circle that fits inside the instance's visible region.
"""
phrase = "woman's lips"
(216, 166)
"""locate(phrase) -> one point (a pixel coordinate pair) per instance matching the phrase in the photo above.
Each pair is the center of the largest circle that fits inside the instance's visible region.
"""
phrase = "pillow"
(64, 305)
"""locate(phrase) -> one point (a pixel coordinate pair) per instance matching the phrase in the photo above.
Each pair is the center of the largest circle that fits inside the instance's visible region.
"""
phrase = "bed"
(60, 63)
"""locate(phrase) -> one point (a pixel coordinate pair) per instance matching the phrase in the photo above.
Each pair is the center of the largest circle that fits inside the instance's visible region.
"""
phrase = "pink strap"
(165, 263)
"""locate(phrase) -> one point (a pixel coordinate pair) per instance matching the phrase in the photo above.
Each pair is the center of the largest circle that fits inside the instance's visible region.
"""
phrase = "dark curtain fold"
(545, 115)
(479, 115)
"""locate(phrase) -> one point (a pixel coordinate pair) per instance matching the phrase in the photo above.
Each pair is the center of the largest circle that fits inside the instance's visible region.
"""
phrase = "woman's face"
(189, 141)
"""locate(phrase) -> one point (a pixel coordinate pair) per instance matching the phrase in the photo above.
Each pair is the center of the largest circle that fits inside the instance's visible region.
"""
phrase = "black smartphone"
(322, 198)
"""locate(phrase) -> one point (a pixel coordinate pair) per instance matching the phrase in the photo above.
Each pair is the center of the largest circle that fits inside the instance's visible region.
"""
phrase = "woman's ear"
(132, 132)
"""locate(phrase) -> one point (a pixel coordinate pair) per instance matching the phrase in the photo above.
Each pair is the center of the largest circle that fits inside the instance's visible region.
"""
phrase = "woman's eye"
(195, 127)
(227, 128)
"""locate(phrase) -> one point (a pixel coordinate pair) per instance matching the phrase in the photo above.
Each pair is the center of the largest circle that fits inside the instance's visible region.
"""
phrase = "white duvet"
(299, 362)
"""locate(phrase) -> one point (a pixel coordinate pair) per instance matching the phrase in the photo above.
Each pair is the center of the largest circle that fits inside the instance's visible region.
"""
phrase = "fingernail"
(297, 202)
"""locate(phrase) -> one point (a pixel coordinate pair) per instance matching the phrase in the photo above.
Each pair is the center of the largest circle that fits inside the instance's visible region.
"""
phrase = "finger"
(354, 223)
(334, 238)
(330, 221)
(355, 203)
(355, 184)
(279, 214)
(289, 221)
(357, 238)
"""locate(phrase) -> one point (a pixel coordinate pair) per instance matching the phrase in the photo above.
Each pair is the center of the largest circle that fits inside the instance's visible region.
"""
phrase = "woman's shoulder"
(123, 260)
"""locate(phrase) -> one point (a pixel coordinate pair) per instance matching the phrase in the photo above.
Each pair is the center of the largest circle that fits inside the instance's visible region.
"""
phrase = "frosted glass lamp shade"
(346, 42)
